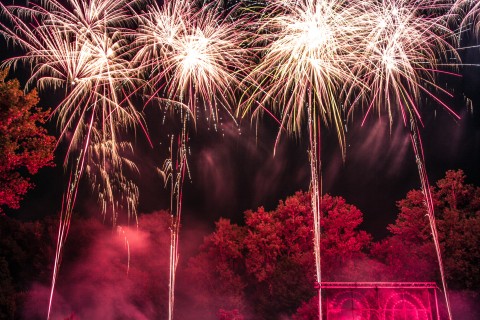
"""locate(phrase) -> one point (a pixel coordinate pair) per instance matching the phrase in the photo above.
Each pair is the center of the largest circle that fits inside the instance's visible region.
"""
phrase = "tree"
(25, 146)
(459, 229)
(280, 243)
(409, 252)
(269, 263)
(216, 274)
(342, 244)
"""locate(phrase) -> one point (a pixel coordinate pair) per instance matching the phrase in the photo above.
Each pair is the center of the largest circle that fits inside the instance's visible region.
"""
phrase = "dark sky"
(233, 169)
(233, 172)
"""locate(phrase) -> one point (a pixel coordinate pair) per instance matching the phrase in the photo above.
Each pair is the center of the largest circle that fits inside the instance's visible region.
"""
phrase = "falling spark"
(175, 170)
(468, 12)
(115, 191)
(121, 232)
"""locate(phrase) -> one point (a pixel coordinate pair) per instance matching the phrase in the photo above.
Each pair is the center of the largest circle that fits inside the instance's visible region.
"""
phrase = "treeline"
(261, 269)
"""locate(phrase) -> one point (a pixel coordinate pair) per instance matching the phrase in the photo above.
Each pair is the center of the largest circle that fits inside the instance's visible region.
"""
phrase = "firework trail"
(306, 48)
(120, 232)
(402, 47)
(115, 191)
(79, 48)
(192, 56)
(175, 170)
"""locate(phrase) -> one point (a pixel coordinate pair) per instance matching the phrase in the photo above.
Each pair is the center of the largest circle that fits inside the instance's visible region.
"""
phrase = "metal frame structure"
(380, 301)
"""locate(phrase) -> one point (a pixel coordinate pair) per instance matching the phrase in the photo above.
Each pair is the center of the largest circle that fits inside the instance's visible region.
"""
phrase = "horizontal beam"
(383, 285)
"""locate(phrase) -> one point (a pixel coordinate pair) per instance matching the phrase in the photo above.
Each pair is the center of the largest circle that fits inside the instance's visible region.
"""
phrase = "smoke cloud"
(110, 274)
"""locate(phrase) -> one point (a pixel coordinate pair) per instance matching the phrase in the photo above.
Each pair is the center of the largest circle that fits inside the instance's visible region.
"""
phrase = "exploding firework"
(316, 57)
(192, 57)
(307, 48)
(80, 49)
(402, 46)
(404, 43)
(320, 55)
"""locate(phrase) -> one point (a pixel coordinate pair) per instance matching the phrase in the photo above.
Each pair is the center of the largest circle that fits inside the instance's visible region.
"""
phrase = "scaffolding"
(380, 301)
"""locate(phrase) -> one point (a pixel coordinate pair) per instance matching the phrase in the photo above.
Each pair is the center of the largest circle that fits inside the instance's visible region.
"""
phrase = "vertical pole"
(436, 303)
(315, 192)
(420, 159)
(178, 167)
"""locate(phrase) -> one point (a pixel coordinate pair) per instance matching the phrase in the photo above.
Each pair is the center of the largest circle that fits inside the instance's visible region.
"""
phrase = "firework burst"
(79, 49)
(403, 44)
(192, 57)
(306, 49)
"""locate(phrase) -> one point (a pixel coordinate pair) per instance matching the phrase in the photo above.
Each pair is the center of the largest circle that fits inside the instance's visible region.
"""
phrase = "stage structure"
(380, 301)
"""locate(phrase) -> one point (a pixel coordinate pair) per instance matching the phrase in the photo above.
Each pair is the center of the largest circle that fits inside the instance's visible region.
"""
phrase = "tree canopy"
(25, 145)
(409, 251)
(260, 269)
(268, 263)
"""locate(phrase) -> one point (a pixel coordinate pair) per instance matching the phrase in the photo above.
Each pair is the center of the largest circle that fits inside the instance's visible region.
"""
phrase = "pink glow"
(380, 301)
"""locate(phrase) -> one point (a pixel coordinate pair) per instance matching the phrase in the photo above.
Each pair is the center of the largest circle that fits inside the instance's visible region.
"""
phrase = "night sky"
(233, 168)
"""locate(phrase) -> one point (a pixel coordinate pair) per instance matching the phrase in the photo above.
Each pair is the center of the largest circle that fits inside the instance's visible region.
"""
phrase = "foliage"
(268, 263)
(218, 270)
(459, 229)
(263, 269)
(409, 251)
(25, 146)
(308, 310)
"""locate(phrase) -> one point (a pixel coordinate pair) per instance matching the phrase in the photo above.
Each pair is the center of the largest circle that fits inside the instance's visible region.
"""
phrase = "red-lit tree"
(25, 146)
(459, 229)
(215, 275)
(268, 263)
(409, 251)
